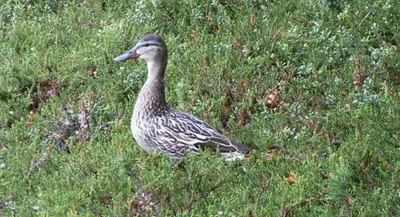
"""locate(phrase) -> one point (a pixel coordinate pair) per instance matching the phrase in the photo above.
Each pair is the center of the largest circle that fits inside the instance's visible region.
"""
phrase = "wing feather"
(191, 131)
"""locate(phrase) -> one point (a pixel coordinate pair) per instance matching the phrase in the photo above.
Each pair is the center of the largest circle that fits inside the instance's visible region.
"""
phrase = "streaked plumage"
(157, 126)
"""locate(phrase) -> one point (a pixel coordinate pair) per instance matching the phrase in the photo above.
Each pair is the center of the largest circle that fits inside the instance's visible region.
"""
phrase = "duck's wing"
(196, 134)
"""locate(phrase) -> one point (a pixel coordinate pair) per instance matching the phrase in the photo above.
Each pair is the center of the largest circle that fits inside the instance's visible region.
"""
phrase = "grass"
(320, 78)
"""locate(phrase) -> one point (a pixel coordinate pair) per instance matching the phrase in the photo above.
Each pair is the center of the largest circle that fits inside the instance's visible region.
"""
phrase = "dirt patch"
(44, 90)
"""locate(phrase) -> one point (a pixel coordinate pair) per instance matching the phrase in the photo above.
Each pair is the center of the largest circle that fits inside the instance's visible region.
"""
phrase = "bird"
(156, 126)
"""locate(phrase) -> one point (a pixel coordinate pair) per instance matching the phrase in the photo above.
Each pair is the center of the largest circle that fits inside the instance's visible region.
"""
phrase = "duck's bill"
(132, 54)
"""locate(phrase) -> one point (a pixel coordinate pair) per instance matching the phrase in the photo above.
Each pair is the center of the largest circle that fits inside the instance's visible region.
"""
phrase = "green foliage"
(331, 67)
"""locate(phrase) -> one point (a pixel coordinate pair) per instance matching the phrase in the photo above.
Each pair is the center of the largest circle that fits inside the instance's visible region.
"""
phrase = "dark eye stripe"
(149, 44)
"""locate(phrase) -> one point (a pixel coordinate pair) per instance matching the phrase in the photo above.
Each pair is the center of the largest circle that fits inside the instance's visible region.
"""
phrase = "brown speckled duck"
(158, 127)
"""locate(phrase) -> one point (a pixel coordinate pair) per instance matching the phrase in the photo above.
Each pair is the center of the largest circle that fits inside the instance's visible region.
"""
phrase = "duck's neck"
(156, 70)
(153, 91)
(152, 95)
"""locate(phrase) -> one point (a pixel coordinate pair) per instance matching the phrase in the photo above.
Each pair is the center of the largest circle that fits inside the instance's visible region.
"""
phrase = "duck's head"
(150, 47)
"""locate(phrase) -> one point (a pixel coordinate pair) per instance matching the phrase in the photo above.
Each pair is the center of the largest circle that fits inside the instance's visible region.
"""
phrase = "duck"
(156, 126)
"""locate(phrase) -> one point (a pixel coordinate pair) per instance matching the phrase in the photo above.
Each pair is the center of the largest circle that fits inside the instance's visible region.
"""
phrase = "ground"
(317, 78)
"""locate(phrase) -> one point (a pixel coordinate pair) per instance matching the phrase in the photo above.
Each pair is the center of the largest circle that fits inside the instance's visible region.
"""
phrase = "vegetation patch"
(313, 83)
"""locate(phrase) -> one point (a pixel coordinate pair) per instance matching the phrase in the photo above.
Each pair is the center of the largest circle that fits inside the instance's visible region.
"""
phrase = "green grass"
(334, 66)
